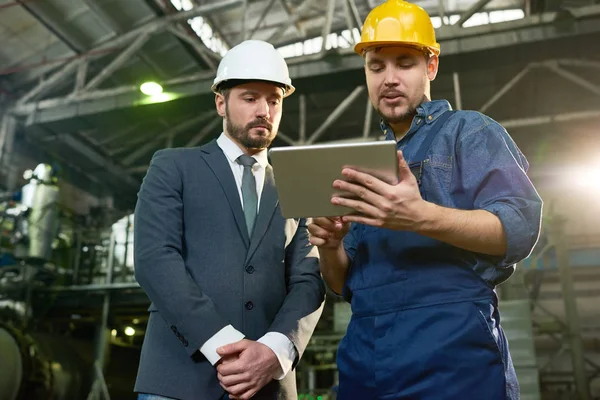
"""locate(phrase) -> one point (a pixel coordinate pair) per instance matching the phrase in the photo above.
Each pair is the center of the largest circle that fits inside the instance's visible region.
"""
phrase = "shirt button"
(430, 118)
(249, 305)
(250, 269)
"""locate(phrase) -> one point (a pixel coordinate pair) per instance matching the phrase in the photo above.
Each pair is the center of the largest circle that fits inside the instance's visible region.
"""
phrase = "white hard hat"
(254, 60)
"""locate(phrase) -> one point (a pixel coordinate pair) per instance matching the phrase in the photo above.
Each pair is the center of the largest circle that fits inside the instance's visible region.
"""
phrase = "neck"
(401, 128)
(247, 150)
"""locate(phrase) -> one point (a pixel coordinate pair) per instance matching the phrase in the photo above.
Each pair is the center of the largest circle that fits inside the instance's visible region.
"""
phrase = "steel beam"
(471, 11)
(152, 26)
(528, 30)
(368, 119)
(203, 132)
(457, 96)
(200, 49)
(100, 160)
(505, 89)
(177, 129)
(285, 138)
(261, 18)
(298, 13)
(297, 25)
(573, 327)
(115, 64)
(343, 106)
(573, 78)
(355, 14)
(549, 119)
(327, 26)
(349, 20)
(302, 119)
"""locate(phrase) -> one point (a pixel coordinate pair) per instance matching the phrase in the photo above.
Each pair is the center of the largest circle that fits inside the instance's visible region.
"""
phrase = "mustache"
(391, 92)
(260, 123)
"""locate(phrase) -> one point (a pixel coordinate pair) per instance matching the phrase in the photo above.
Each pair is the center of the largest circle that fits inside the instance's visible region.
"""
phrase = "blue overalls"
(424, 325)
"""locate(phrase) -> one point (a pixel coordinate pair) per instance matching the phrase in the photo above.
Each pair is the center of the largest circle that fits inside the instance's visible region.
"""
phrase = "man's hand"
(327, 233)
(255, 366)
(398, 207)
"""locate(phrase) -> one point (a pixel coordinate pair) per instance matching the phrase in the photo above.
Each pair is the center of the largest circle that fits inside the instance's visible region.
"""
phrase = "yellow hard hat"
(397, 22)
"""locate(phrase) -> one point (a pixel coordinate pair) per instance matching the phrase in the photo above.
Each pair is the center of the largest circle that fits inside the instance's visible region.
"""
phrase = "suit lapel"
(218, 163)
(268, 203)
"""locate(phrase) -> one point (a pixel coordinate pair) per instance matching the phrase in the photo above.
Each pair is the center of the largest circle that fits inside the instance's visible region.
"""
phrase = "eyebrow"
(403, 57)
(251, 92)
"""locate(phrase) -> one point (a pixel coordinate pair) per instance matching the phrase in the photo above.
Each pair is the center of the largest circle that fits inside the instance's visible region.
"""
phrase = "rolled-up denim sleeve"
(493, 175)
(351, 241)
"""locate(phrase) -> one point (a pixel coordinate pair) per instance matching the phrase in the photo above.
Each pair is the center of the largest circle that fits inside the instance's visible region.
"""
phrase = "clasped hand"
(246, 367)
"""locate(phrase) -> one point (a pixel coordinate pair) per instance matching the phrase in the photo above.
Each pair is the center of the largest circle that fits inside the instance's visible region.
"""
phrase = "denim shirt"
(473, 164)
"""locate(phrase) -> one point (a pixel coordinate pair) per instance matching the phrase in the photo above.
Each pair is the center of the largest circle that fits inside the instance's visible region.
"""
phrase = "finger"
(362, 220)
(238, 391)
(366, 180)
(233, 348)
(320, 232)
(361, 207)
(403, 169)
(232, 368)
(358, 191)
(325, 223)
(231, 380)
(247, 395)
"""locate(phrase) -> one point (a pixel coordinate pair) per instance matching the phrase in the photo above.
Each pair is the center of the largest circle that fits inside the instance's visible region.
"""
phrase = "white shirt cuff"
(225, 336)
(283, 348)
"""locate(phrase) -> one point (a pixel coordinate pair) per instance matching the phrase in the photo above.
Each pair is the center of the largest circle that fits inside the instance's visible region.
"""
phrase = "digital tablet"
(304, 175)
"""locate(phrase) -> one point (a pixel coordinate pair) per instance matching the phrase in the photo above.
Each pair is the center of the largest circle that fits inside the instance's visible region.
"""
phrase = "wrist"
(427, 217)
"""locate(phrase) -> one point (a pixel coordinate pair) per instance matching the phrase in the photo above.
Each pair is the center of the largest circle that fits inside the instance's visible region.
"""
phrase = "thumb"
(232, 348)
(403, 168)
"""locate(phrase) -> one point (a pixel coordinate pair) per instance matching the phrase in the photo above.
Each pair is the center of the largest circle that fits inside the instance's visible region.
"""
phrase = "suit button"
(250, 269)
(173, 328)
(185, 343)
(249, 305)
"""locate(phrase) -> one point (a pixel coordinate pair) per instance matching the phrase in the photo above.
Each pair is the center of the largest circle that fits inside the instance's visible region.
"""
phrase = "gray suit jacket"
(196, 263)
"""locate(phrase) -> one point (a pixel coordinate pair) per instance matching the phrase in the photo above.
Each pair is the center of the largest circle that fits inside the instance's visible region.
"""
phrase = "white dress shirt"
(278, 342)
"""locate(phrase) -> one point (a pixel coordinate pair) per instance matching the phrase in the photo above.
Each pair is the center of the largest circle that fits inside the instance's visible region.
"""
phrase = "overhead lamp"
(129, 331)
(151, 88)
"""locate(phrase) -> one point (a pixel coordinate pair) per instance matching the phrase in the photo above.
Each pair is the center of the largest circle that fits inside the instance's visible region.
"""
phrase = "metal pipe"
(81, 76)
(457, 97)
(302, 118)
(343, 106)
(573, 327)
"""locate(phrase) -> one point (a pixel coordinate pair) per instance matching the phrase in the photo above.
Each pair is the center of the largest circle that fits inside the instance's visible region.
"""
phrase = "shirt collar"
(427, 112)
(232, 151)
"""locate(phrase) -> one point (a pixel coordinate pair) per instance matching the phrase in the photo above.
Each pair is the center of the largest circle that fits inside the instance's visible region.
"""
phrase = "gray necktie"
(249, 196)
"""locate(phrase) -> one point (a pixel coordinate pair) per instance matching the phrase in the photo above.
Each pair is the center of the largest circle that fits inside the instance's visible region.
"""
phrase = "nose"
(262, 109)
(391, 77)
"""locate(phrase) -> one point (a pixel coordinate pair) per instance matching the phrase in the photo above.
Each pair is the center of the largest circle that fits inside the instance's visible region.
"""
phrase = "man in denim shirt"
(419, 261)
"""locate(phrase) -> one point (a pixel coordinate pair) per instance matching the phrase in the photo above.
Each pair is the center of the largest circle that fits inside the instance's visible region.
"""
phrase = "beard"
(405, 116)
(242, 133)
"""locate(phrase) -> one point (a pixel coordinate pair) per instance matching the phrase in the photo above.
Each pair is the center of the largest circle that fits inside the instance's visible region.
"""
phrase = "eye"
(274, 102)
(376, 68)
(406, 65)
(249, 99)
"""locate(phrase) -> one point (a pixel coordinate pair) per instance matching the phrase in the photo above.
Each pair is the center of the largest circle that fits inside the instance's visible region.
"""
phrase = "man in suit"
(235, 288)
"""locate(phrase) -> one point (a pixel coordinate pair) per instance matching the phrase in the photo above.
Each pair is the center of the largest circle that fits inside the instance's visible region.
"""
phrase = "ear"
(220, 104)
(432, 67)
